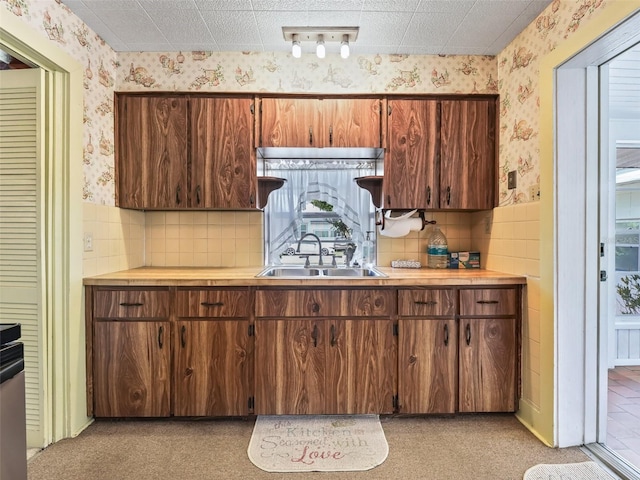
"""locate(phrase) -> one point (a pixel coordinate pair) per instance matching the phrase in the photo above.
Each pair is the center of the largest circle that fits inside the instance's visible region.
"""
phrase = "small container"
(367, 251)
(437, 250)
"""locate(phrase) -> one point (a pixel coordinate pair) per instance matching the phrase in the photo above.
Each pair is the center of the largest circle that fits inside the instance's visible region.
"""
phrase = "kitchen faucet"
(319, 247)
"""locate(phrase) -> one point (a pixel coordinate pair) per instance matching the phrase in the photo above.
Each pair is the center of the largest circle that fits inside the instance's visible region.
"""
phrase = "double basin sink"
(315, 272)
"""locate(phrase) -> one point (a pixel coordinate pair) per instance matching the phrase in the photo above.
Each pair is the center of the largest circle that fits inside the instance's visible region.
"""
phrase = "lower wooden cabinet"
(131, 373)
(427, 366)
(235, 351)
(211, 368)
(467, 362)
(487, 370)
(324, 366)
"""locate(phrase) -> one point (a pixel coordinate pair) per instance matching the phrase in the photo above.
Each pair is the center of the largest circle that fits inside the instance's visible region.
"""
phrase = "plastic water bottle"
(437, 250)
(367, 251)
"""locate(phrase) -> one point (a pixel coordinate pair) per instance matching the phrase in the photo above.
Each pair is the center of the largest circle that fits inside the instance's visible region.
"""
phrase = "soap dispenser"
(367, 251)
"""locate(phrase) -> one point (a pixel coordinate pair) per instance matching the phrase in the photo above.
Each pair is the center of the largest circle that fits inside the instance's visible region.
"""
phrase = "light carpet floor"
(473, 447)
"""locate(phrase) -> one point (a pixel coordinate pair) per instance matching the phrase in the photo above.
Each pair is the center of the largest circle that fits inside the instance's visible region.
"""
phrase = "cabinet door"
(351, 122)
(411, 167)
(211, 368)
(361, 367)
(131, 369)
(427, 366)
(468, 156)
(291, 122)
(487, 365)
(222, 157)
(290, 367)
(152, 152)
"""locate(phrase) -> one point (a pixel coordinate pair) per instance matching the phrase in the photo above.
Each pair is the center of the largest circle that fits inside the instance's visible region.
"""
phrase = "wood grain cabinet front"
(131, 352)
(316, 122)
(213, 352)
(441, 154)
(489, 345)
(427, 350)
(324, 351)
(458, 359)
(179, 151)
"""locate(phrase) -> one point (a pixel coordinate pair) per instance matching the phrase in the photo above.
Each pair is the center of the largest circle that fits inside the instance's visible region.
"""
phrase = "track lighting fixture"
(321, 35)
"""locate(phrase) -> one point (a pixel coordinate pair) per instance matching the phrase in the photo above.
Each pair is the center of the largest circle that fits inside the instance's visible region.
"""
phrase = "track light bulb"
(344, 46)
(320, 51)
(296, 49)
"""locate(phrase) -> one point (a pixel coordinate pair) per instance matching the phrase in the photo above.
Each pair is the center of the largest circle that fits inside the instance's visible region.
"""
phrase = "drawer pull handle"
(161, 337)
(131, 304)
(488, 302)
(314, 335)
(468, 334)
(183, 340)
(212, 304)
(448, 195)
(446, 335)
(178, 194)
(429, 195)
(310, 136)
(429, 303)
(331, 135)
(198, 195)
(333, 336)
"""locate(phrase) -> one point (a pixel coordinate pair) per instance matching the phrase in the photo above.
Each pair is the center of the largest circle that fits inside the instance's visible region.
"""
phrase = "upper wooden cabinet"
(151, 152)
(223, 167)
(184, 152)
(468, 154)
(411, 163)
(314, 122)
(441, 154)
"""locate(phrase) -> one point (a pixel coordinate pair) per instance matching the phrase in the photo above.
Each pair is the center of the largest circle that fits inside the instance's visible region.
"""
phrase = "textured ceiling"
(473, 27)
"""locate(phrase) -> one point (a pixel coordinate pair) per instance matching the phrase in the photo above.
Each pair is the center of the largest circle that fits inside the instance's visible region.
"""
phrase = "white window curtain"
(332, 182)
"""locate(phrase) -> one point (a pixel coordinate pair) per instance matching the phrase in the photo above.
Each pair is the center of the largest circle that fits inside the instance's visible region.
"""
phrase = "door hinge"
(395, 329)
(252, 330)
(602, 249)
(603, 275)
(251, 403)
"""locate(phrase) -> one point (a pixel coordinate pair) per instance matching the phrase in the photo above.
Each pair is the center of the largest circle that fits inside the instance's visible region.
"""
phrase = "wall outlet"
(88, 242)
(512, 179)
(534, 192)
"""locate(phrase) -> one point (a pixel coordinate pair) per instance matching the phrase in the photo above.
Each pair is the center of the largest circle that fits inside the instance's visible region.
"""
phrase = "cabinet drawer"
(132, 303)
(226, 303)
(488, 301)
(324, 303)
(426, 303)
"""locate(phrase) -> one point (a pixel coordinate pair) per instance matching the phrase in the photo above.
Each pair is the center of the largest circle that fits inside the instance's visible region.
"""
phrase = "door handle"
(183, 340)
(314, 335)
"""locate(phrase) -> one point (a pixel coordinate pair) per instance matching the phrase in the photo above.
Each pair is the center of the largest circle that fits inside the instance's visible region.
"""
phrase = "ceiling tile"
(167, 5)
(343, 18)
(390, 6)
(270, 24)
(459, 7)
(183, 26)
(429, 29)
(332, 5)
(288, 5)
(134, 27)
(232, 27)
(223, 4)
(375, 29)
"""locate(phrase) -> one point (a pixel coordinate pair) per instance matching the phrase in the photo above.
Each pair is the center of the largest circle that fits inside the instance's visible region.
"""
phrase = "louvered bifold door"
(21, 286)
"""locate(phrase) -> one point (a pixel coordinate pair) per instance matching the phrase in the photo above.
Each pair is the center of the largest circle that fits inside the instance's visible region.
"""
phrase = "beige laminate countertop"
(246, 276)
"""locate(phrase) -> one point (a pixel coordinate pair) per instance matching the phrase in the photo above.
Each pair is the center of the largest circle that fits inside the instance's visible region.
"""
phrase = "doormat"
(317, 443)
(567, 471)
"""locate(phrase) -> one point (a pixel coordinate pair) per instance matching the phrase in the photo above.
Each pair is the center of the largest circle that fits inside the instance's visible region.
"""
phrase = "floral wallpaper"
(513, 74)
(518, 73)
(57, 23)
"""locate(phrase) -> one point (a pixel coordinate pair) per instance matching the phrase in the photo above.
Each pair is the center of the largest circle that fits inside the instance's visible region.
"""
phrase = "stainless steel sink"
(315, 272)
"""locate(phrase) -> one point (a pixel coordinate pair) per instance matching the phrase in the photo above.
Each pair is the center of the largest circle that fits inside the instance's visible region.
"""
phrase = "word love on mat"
(317, 443)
